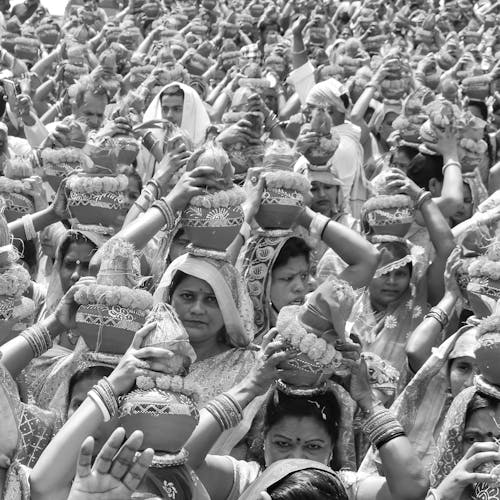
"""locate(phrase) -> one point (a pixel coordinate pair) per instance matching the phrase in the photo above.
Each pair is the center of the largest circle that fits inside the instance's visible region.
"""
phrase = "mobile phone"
(10, 90)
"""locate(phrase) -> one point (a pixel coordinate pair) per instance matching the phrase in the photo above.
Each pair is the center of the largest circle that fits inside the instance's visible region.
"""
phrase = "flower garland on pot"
(213, 220)
(283, 196)
(16, 312)
(16, 188)
(113, 308)
(311, 331)
(97, 194)
(484, 273)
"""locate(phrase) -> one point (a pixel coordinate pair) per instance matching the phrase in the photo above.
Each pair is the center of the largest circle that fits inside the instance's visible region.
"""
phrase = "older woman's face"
(289, 283)
(196, 305)
(297, 437)
(482, 427)
(91, 112)
(75, 263)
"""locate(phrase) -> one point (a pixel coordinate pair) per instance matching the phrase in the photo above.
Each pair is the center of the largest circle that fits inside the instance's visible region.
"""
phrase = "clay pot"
(378, 221)
(476, 87)
(319, 155)
(128, 150)
(17, 205)
(166, 418)
(97, 208)
(109, 329)
(212, 228)
(487, 356)
(279, 208)
(54, 173)
(245, 157)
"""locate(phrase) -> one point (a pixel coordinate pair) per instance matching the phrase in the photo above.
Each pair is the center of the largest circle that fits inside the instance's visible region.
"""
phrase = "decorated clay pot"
(212, 228)
(59, 164)
(484, 285)
(484, 491)
(476, 87)
(389, 214)
(16, 314)
(487, 356)
(17, 205)
(27, 49)
(279, 208)
(109, 329)
(166, 418)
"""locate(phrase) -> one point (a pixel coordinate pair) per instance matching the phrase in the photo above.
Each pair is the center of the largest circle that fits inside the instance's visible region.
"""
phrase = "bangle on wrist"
(29, 228)
(163, 206)
(38, 338)
(318, 225)
(226, 411)
(156, 187)
(449, 163)
(423, 198)
(439, 315)
(298, 53)
(381, 427)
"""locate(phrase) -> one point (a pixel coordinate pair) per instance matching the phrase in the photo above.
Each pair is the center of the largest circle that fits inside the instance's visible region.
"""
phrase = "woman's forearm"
(426, 335)
(40, 221)
(42, 67)
(17, 353)
(452, 193)
(55, 469)
(361, 105)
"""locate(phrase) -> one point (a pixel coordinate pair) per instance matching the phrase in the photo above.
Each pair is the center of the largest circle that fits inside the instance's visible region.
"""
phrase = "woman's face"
(172, 107)
(75, 264)
(298, 437)
(78, 396)
(324, 198)
(481, 427)
(133, 189)
(390, 287)
(400, 159)
(196, 305)
(462, 371)
(289, 282)
(466, 209)
(179, 245)
(91, 112)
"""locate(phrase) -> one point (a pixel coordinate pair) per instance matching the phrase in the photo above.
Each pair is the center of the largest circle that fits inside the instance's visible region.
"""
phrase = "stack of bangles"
(381, 427)
(450, 163)
(149, 194)
(226, 411)
(439, 315)
(422, 198)
(167, 212)
(103, 396)
(29, 228)
(38, 338)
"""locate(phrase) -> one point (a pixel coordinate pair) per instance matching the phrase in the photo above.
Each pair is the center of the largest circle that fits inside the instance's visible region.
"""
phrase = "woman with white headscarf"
(180, 106)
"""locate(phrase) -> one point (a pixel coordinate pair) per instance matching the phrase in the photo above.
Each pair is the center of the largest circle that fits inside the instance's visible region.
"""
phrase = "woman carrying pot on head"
(303, 425)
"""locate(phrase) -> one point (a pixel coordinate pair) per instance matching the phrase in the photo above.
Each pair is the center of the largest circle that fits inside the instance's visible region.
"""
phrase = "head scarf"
(381, 112)
(255, 266)
(195, 119)
(278, 471)
(449, 447)
(229, 290)
(422, 405)
(328, 93)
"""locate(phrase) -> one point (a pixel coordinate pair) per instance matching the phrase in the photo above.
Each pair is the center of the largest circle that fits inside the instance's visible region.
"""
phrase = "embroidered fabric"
(392, 266)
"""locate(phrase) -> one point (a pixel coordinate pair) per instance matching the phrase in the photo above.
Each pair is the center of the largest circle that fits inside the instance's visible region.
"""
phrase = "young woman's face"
(77, 397)
(462, 371)
(75, 264)
(390, 287)
(196, 305)
(298, 437)
(399, 159)
(289, 282)
(324, 198)
(481, 427)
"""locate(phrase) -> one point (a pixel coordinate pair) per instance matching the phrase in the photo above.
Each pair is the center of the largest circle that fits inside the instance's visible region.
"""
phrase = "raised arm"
(359, 254)
(51, 478)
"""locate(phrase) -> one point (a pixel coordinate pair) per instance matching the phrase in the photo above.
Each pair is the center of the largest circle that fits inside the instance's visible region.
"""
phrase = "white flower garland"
(71, 156)
(129, 298)
(84, 184)
(387, 201)
(287, 180)
(174, 383)
(483, 267)
(13, 186)
(220, 199)
(14, 281)
(317, 349)
(489, 324)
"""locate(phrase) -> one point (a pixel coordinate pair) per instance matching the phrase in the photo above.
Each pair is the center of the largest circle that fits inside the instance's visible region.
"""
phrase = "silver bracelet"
(450, 163)
(166, 211)
(29, 228)
(318, 225)
(38, 338)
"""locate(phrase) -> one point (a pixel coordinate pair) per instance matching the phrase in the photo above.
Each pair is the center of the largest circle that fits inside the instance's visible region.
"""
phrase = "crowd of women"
(349, 353)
